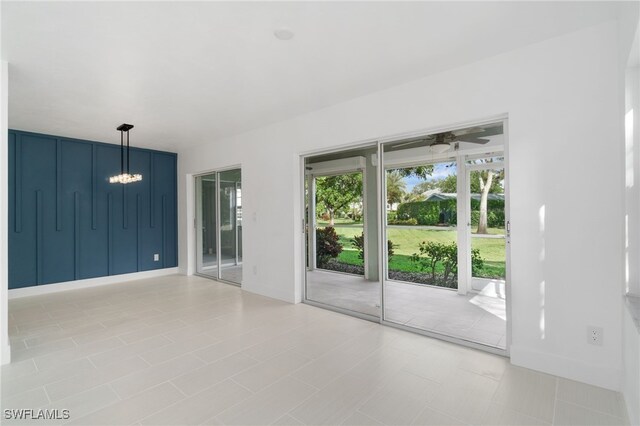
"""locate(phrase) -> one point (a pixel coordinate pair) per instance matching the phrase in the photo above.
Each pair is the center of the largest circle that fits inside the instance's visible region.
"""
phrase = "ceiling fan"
(441, 142)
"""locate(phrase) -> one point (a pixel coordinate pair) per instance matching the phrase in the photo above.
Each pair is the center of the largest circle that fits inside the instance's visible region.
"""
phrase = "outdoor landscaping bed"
(412, 277)
(334, 265)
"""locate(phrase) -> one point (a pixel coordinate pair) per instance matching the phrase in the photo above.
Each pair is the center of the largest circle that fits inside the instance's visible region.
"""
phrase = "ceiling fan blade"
(480, 141)
(480, 131)
(428, 139)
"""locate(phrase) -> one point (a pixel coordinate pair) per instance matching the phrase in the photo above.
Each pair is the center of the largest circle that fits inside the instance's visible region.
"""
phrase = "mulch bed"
(412, 277)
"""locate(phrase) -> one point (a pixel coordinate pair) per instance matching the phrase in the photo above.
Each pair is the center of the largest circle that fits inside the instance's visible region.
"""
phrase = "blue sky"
(440, 171)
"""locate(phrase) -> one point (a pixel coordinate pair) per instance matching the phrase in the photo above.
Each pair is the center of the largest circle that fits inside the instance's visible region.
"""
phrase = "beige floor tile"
(17, 369)
(187, 350)
(200, 407)
(567, 414)
(84, 403)
(42, 378)
(51, 360)
(431, 417)
(72, 385)
(127, 351)
(144, 379)
(360, 419)
(181, 347)
(133, 409)
(592, 397)
(399, 400)
(268, 405)
(210, 374)
(34, 398)
(270, 371)
(500, 415)
(335, 402)
(528, 392)
(287, 420)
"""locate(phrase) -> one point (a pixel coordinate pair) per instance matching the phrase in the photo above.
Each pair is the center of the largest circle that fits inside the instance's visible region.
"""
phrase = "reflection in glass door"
(206, 200)
(219, 225)
(231, 226)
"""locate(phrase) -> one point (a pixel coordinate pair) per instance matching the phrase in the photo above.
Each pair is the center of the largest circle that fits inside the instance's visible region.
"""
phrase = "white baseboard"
(91, 282)
(597, 375)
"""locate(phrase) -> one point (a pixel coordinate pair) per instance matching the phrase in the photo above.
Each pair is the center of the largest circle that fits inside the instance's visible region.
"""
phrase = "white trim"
(334, 167)
(5, 352)
(463, 225)
(365, 221)
(484, 166)
(17, 293)
(507, 223)
(383, 253)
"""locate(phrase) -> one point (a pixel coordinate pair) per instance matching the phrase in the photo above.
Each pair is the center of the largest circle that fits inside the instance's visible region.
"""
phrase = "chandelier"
(124, 176)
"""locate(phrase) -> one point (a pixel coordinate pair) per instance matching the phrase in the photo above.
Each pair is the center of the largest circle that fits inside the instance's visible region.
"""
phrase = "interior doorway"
(219, 225)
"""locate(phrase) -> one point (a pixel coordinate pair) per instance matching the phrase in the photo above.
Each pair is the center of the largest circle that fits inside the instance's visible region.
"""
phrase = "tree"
(487, 181)
(423, 187)
(336, 193)
(396, 187)
(422, 172)
(448, 184)
(483, 182)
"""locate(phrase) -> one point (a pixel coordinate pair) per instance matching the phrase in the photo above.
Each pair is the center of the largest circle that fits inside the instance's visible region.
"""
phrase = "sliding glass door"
(413, 233)
(219, 225)
(341, 228)
(445, 222)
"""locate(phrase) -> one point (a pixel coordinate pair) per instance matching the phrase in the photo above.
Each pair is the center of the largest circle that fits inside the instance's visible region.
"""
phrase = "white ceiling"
(186, 73)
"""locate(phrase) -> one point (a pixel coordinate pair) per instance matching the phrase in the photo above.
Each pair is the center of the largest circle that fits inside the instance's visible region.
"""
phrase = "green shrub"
(327, 244)
(429, 213)
(358, 243)
(411, 221)
(495, 218)
(432, 254)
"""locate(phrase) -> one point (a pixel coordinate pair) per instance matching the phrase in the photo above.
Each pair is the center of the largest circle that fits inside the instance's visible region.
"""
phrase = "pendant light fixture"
(124, 176)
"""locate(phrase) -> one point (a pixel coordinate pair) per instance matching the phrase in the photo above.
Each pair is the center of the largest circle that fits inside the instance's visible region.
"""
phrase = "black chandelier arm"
(121, 152)
(128, 152)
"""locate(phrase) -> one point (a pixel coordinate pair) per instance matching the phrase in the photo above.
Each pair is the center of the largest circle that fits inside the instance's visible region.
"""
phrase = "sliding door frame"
(381, 234)
(197, 222)
(308, 223)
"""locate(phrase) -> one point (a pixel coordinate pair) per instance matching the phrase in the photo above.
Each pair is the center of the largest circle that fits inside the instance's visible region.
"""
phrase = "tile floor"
(188, 350)
(477, 317)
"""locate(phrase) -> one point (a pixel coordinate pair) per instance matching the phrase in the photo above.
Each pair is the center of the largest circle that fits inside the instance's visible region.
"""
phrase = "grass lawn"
(406, 241)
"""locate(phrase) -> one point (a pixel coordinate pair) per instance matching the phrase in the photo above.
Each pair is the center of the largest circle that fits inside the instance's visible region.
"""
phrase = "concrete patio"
(478, 316)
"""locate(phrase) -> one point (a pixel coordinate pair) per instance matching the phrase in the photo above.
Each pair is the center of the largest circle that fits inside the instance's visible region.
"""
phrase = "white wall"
(565, 152)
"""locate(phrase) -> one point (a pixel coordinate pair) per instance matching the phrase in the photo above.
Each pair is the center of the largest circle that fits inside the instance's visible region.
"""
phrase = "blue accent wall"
(67, 222)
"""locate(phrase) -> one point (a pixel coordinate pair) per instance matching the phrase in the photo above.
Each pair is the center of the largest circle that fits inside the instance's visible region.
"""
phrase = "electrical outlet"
(255, 270)
(595, 335)
(156, 257)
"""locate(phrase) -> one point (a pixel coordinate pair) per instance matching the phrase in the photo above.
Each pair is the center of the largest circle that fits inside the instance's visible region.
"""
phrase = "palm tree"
(396, 187)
